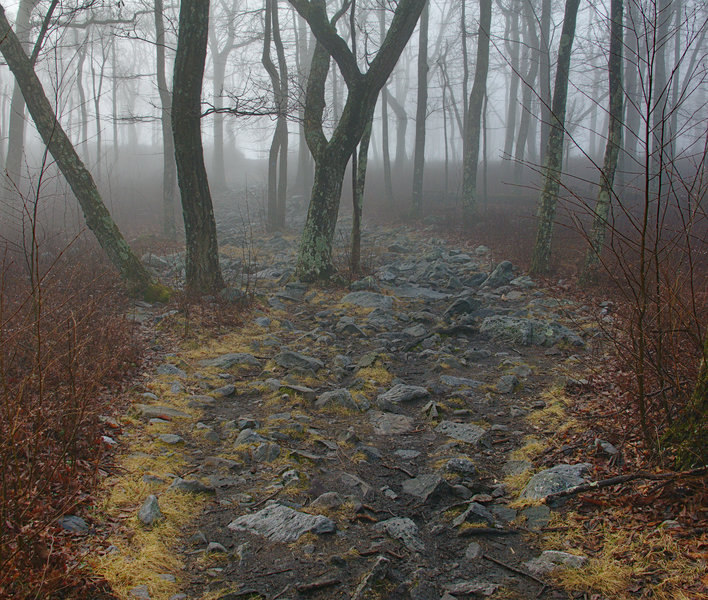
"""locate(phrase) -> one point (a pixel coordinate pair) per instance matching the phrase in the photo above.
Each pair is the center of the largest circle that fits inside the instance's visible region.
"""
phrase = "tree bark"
(331, 156)
(202, 269)
(474, 120)
(540, 261)
(97, 216)
(169, 169)
(385, 149)
(614, 141)
(399, 110)
(512, 48)
(360, 184)
(532, 42)
(421, 113)
(545, 75)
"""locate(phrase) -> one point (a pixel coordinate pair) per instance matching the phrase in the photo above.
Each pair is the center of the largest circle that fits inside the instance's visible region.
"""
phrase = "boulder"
(280, 523)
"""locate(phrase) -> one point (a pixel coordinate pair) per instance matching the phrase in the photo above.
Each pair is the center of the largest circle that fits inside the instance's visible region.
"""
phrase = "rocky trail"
(370, 442)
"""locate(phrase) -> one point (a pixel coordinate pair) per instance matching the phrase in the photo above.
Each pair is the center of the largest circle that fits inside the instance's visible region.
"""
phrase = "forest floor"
(395, 438)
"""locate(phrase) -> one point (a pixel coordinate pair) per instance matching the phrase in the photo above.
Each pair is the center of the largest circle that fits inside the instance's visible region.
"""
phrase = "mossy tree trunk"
(331, 155)
(614, 143)
(540, 261)
(474, 117)
(77, 176)
(203, 270)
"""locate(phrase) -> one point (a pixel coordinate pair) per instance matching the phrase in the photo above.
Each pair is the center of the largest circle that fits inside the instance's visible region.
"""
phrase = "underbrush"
(65, 346)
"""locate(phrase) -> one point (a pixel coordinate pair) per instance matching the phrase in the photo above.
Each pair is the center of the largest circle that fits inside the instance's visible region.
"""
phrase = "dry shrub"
(63, 341)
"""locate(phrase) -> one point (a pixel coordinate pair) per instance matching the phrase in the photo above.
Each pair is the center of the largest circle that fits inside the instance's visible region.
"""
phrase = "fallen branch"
(596, 485)
(515, 570)
(305, 588)
(473, 531)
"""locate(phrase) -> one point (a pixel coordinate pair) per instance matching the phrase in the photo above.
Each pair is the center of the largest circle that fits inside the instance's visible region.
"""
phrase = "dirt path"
(363, 443)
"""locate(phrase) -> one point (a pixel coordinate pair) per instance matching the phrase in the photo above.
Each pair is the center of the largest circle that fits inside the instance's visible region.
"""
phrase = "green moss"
(157, 292)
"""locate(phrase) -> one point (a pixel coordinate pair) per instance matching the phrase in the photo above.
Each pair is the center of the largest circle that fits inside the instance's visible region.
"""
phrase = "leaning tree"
(332, 155)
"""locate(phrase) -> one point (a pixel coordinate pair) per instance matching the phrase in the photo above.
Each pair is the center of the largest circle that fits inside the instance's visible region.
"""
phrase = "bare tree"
(554, 155)
(474, 119)
(421, 112)
(331, 155)
(203, 272)
(82, 184)
(614, 141)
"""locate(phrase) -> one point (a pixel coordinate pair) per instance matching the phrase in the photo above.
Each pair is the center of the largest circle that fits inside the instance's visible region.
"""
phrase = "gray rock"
(356, 483)
(328, 500)
(475, 587)
(400, 393)
(428, 487)
(279, 523)
(73, 523)
(294, 360)
(152, 411)
(346, 326)
(406, 454)
(551, 559)
(341, 397)
(140, 591)
(465, 432)
(555, 479)
(168, 369)
(523, 281)
(226, 361)
(458, 382)
(149, 512)
(507, 384)
(216, 547)
(473, 551)
(191, 486)
(417, 292)
(170, 438)
(528, 332)
(225, 391)
(266, 452)
(461, 466)
(537, 517)
(462, 306)
(248, 436)
(502, 274)
(404, 530)
(605, 447)
(381, 320)
(368, 300)
(474, 513)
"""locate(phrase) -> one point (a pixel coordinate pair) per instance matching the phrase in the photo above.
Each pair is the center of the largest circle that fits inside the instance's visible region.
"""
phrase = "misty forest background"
(571, 137)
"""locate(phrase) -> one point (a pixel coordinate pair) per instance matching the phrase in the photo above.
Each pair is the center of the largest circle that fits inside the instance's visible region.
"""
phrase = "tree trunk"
(385, 149)
(97, 216)
(331, 156)
(16, 128)
(512, 48)
(169, 169)
(203, 270)
(545, 75)
(399, 110)
(304, 160)
(359, 186)
(614, 142)
(219, 166)
(532, 42)
(282, 119)
(540, 261)
(474, 120)
(632, 117)
(421, 113)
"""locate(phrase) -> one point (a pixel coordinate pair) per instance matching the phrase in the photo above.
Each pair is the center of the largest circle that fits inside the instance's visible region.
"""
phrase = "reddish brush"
(63, 340)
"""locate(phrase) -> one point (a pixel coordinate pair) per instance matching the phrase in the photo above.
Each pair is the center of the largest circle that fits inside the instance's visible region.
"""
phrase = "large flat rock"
(556, 479)
(232, 359)
(465, 432)
(386, 423)
(368, 300)
(279, 523)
